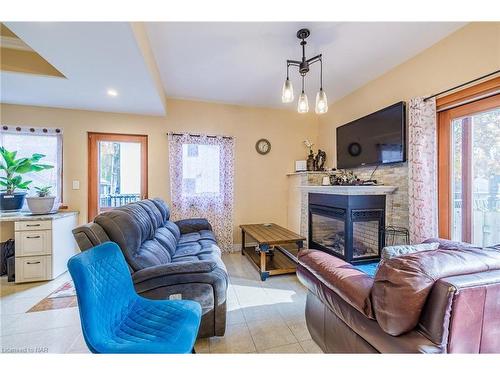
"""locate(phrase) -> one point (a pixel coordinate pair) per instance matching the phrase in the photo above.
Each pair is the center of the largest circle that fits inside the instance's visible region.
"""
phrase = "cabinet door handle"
(32, 236)
(33, 262)
(32, 225)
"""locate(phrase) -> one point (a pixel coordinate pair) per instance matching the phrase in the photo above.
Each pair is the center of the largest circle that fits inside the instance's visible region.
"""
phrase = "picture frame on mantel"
(300, 166)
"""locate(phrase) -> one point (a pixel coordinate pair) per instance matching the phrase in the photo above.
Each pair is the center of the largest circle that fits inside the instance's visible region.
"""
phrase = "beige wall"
(470, 52)
(260, 181)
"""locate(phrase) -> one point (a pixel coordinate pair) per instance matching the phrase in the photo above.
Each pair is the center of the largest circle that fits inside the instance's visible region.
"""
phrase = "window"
(469, 172)
(118, 170)
(200, 170)
(28, 141)
(201, 181)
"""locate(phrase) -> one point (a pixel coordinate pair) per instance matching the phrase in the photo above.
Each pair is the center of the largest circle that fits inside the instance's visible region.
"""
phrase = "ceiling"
(94, 57)
(19, 57)
(237, 63)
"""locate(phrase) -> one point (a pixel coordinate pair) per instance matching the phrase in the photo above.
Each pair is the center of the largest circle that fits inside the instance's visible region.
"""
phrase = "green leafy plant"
(43, 191)
(14, 168)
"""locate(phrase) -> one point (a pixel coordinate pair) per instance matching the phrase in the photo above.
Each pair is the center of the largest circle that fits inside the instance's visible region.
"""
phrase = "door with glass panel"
(470, 172)
(117, 170)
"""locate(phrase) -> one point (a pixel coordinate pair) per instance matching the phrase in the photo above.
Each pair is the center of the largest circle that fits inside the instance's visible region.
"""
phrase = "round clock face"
(354, 149)
(263, 146)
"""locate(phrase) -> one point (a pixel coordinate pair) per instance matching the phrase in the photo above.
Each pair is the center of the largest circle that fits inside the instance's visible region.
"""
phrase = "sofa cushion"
(162, 207)
(134, 228)
(174, 229)
(403, 283)
(389, 252)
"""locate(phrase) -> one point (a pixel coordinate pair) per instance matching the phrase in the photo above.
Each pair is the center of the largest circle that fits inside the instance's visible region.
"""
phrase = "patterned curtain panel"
(201, 182)
(422, 170)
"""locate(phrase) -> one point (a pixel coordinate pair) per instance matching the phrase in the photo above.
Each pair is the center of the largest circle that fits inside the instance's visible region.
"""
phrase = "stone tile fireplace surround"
(395, 187)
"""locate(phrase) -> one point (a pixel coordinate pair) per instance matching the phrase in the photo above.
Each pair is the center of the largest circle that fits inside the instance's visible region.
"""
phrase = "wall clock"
(354, 149)
(263, 146)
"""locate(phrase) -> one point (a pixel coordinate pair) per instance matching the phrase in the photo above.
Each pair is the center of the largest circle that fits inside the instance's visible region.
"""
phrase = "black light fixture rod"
(314, 59)
(321, 74)
(302, 84)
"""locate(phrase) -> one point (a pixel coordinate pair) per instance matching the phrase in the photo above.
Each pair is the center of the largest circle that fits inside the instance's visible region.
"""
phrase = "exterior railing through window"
(117, 200)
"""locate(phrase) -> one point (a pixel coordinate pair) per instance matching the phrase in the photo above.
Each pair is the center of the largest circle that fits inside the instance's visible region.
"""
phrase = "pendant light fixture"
(303, 65)
(303, 103)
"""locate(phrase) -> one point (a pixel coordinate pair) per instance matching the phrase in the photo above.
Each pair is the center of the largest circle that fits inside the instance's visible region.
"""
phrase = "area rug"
(63, 297)
(368, 268)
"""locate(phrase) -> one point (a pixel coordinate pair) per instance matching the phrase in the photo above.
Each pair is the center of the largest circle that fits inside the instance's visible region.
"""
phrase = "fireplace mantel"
(349, 190)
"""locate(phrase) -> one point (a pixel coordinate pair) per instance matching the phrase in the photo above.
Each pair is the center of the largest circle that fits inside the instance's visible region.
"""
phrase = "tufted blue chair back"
(115, 319)
(104, 288)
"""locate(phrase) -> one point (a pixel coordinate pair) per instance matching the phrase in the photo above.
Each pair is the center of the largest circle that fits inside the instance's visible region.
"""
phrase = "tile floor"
(262, 317)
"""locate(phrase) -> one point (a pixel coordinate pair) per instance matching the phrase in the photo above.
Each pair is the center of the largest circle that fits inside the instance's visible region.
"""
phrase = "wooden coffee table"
(270, 256)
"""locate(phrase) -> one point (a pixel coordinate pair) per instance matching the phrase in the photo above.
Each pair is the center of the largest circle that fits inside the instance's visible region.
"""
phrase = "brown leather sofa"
(441, 301)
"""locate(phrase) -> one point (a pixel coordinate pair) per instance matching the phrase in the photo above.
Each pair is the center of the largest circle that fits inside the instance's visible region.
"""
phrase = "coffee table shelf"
(274, 254)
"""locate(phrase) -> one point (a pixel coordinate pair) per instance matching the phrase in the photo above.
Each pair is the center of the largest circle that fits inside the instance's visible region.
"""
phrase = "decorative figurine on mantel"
(315, 163)
(310, 157)
(319, 161)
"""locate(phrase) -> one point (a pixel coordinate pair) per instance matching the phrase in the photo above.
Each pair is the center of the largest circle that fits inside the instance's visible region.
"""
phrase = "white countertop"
(350, 190)
(27, 216)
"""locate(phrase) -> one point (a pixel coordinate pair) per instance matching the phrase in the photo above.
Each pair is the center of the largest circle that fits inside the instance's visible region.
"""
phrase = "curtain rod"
(462, 85)
(198, 135)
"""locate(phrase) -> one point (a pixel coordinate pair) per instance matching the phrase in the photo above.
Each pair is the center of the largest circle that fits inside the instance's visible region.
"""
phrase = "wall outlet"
(76, 185)
(175, 296)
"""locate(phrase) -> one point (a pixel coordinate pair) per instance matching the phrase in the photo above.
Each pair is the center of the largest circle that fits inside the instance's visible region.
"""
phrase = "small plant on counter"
(43, 191)
(11, 199)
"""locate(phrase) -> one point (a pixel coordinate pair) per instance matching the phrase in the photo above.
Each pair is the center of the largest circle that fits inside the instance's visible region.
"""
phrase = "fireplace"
(347, 226)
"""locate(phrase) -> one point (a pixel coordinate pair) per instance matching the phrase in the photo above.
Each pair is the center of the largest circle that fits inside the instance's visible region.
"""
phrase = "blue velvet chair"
(115, 319)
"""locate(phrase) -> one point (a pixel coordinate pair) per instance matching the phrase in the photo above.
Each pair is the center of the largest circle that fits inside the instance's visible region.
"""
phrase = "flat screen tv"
(378, 138)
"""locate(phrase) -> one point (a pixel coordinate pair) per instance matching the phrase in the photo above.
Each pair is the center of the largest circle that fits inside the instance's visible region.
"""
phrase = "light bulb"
(303, 104)
(287, 94)
(321, 102)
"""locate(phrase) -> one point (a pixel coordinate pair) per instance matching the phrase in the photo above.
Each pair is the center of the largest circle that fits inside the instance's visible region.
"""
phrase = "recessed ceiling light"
(112, 92)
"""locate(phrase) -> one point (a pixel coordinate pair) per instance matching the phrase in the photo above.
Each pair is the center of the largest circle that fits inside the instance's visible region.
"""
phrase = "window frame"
(45, 132)
(445, 175)
(93, 139)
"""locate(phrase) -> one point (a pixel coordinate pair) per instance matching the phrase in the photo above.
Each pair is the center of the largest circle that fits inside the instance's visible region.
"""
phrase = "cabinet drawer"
(36, 242)
(33, 225)
(33, 268)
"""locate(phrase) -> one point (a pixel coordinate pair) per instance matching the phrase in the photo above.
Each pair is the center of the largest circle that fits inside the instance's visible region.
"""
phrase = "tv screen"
(378, 138)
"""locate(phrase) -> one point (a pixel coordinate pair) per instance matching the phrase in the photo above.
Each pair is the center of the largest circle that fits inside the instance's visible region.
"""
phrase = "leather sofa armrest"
(193, 225)
(173, 269)
(343, 279)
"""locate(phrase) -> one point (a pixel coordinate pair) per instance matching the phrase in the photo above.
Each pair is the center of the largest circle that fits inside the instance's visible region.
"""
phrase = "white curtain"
(422, 170)
(201, 182)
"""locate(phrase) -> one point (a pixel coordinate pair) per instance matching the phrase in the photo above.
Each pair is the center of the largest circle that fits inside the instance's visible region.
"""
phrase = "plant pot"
(40, 205)
(12, 202)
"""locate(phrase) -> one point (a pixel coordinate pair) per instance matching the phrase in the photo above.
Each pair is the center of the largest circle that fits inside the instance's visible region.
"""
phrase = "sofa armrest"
(89, 235)
(173, 269)
(193, 225)
(343, 279)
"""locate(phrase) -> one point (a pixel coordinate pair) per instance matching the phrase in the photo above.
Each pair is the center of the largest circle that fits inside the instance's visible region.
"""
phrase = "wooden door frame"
(445, 158)
(93, 156)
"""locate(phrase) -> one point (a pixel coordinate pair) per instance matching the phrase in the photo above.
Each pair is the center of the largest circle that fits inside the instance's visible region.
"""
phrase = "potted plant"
(11, 199)
(43, 202)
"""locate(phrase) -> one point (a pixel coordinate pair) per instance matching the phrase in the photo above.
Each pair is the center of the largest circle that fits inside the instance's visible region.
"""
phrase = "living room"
(223, 170)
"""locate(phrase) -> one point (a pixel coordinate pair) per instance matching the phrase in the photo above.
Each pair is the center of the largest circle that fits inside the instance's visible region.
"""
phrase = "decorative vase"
(40, 205)
(310, 161)
(12, 202)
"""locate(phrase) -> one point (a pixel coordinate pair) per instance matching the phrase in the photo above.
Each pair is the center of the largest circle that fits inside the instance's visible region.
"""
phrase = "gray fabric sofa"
(166, 258)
